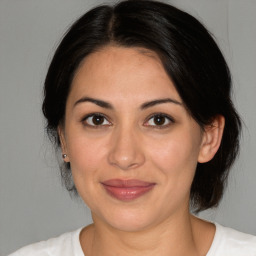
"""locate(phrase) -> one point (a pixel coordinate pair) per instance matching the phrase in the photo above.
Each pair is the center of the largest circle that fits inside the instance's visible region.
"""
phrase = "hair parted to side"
(190, 57)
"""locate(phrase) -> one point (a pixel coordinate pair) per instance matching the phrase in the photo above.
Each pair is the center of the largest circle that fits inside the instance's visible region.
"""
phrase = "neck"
(176, 236)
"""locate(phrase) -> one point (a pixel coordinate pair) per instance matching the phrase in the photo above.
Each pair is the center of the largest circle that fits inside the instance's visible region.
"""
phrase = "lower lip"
(127, 193)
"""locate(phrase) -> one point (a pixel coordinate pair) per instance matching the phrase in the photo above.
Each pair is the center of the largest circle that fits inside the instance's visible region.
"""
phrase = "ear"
(61, 134)
(211, 140)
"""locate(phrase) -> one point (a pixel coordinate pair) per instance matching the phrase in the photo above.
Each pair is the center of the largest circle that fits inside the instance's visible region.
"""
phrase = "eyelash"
(85, 120)
(168, 118)
(161, 115)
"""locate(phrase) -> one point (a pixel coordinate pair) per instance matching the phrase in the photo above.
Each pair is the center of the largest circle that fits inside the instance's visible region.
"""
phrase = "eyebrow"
(98, 102)
(159, 101)
(145, 105)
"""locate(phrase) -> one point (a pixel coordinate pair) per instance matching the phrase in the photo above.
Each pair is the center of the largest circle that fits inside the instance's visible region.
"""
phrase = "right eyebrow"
(98, 102)
(159, 101)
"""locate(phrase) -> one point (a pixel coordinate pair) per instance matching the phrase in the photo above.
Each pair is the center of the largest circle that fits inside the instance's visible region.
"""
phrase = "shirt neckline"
(211, 252)
(77, 247)
(216, 240)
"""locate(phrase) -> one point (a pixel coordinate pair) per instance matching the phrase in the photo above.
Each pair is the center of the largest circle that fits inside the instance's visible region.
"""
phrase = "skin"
(128, 144)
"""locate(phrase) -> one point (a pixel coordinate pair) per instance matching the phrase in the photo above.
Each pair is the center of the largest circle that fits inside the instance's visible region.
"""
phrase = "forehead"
(121, 72)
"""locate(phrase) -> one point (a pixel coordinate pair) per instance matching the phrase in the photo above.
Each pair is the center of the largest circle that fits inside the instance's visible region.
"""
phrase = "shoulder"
(65, 244)
(228, 241)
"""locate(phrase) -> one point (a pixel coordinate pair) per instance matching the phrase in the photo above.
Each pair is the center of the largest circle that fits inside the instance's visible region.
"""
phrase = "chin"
(130, 225)
(127, 220)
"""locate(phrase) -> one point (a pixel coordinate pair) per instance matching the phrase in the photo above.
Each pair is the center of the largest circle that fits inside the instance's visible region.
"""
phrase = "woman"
(137, 97)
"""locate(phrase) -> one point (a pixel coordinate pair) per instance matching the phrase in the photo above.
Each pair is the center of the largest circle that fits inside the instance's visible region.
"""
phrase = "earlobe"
(212, 137)
(63, 144)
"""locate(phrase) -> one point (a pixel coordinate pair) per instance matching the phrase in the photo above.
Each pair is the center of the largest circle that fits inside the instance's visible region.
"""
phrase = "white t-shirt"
(226, 242)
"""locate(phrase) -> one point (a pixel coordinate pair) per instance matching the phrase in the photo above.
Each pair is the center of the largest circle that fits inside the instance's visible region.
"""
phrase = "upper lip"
(127, 183)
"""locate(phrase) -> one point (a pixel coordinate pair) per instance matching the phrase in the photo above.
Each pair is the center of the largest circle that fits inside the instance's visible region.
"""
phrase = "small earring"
(64, 156)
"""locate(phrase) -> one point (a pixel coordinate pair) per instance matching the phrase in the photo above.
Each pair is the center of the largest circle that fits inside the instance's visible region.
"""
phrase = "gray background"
(33, 204)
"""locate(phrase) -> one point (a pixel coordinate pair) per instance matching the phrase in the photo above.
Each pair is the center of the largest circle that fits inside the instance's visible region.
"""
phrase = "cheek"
(86, 157)
(176, 157)
(176, 161)
(87, 160)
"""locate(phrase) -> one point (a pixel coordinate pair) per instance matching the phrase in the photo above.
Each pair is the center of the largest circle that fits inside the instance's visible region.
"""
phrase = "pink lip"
(127, 190)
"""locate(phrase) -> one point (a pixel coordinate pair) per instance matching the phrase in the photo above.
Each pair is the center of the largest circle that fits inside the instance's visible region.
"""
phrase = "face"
(132, 146)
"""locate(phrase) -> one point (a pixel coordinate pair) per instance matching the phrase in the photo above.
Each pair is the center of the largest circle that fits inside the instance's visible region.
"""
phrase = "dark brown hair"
(190, 57)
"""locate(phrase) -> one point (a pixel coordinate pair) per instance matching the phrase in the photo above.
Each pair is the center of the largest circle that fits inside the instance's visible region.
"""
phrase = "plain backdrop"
(33, 204)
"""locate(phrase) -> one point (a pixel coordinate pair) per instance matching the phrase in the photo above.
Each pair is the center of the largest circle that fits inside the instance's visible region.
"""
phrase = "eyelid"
(83, 120)
(171, 119)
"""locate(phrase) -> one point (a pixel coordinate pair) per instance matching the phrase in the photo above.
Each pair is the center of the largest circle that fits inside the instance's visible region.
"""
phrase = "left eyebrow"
(159, 101)
(98, 102)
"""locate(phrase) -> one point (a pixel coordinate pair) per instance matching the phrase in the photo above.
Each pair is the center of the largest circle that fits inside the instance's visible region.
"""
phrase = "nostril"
(125, 152)
(126, 161)
(133, 165)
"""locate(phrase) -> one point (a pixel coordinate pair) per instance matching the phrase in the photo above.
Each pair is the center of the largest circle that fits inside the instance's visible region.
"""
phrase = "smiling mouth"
(127, 190)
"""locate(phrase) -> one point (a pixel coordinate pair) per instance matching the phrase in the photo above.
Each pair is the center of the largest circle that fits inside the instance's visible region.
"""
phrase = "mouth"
(127, 190)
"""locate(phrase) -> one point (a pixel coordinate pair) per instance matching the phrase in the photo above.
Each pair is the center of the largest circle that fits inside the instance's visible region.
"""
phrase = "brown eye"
(96, 120)
(159, 120)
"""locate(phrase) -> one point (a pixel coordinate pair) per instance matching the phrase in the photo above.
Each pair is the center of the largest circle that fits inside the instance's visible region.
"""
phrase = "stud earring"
(64, 156)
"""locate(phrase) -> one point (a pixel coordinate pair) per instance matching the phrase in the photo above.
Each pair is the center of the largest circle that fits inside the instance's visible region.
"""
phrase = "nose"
(126, 150)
